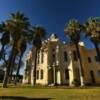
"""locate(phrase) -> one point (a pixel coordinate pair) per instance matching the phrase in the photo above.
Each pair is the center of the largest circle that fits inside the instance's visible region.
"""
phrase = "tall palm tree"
(17, 25)
(39, 34)
(5, 39)
(73, 30)
(16, 51)
(22, 48)
(92, 30)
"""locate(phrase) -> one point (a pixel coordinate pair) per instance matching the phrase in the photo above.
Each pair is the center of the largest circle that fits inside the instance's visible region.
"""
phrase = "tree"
(73, 30)
(22, 48)
(17, 26)
(16, 51)
(5, 39)
(92, 30)
(39, 34)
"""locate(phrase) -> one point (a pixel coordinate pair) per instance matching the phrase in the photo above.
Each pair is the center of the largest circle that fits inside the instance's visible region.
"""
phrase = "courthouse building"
(57, 63)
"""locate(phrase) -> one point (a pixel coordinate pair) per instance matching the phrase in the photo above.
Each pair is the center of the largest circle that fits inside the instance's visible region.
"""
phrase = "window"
(99, 73)
(92, 76)
(96, 58)
(38, 57)
(54, 57)
(37, 74)
(75, 55)
(53, 50)
(42, 56)
(89, 60)
(41, 74)
(65, 56)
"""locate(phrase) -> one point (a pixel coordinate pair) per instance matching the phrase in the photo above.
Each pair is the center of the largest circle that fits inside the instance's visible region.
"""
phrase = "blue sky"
(52, 14)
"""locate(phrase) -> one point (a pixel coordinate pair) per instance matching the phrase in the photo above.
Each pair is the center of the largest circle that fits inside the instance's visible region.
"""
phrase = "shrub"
(76, 82)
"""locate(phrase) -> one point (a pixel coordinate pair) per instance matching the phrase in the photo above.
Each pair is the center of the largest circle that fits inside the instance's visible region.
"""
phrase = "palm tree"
(73, 30)
(39, 34)
(17, 26)
(5, 39)
(16, 51)
(22, 47)
(92, 30)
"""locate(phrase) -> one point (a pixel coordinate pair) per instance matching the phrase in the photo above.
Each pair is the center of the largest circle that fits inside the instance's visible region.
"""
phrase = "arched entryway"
(50, 76)
(92, 76)
(67, 76)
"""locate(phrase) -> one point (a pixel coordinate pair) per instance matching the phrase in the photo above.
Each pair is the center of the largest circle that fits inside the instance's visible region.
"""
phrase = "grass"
(23, 92)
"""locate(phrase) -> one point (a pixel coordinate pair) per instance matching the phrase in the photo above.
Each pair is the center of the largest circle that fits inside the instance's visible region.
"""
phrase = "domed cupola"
(54, 37)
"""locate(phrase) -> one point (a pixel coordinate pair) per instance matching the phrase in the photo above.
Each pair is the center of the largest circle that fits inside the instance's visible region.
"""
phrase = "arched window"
(41, 74)
(53, 57)
(65, 56)
(38, 57)
(42, 56)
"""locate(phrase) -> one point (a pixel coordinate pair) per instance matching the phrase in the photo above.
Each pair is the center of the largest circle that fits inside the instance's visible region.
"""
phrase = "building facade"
(57, 63)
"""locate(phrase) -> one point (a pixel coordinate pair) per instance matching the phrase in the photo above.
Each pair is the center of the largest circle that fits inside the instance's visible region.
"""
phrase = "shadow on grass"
(20, 98)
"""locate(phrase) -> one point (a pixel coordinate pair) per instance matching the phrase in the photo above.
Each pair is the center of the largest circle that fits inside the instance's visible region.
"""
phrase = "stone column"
(32, 80)
(71, 71)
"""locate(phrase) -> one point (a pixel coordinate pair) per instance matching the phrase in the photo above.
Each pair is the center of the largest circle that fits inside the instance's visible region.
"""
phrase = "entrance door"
(92, 76)
(67, 76)
(50, 76)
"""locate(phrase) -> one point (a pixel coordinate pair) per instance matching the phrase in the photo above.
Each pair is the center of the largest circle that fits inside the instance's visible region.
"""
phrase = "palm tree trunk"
(18, 69)
(80, 65)
(12, 65)
(11, 68)
(34, 71)
(2, 51)
(98, 52)
(3, 57)
(7, 72)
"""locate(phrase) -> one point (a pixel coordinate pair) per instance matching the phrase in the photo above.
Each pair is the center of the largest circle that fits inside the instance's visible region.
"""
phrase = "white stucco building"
(57, 64)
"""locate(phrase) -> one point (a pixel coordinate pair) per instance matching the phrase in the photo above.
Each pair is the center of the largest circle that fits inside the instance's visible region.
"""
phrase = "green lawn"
(49, 93)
